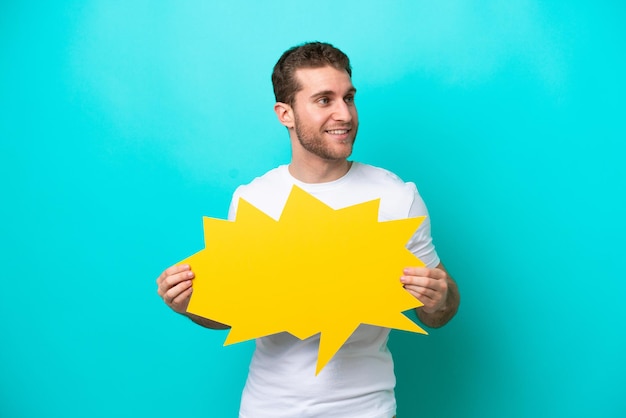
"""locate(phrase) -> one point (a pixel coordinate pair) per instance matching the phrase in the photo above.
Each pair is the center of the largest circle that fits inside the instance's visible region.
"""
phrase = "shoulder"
(378, 176)
(266, 192)
(397, 196)
(383, 179)
(269, 180)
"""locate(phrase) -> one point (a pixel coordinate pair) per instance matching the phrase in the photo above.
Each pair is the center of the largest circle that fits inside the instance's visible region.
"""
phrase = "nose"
(342, 111)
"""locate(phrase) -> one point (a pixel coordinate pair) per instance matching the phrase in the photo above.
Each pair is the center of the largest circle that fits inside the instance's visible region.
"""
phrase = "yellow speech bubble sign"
(315, 270)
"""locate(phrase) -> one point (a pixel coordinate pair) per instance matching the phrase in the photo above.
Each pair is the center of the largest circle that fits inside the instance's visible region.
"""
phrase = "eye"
(349, 99)
(323, 100)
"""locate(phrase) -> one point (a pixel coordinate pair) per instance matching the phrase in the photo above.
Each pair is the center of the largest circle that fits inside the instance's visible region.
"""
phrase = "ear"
(284, 112)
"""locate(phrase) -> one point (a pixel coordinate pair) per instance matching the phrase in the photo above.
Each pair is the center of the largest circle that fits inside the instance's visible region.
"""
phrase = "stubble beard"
(314, 142)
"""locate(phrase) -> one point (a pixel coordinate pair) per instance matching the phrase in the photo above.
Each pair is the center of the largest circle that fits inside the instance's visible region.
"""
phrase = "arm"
(174, 286)
(436, 290)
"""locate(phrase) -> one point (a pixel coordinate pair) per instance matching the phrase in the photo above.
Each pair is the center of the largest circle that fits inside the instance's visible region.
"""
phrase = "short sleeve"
(421, 243)
(232, 210)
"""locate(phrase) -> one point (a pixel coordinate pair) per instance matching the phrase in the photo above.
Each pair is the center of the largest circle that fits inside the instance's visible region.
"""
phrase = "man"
(315, 102)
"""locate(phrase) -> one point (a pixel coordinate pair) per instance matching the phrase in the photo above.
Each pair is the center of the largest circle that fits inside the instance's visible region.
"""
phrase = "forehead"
(312, 80)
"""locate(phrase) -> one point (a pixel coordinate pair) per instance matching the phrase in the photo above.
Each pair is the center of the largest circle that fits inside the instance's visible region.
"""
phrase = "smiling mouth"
(338, 131)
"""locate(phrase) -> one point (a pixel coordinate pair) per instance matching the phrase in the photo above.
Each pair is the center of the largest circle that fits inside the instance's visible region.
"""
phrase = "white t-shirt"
(359, 380)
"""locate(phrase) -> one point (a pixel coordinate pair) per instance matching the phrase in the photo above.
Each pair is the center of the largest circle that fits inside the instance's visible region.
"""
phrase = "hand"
(174, 287)
(429, 286)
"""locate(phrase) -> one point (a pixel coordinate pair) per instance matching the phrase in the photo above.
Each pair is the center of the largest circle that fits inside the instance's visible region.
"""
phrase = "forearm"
(205, 322)
(442, 316)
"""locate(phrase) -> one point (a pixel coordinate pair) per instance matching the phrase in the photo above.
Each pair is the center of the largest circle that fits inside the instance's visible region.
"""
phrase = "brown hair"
(307, 55)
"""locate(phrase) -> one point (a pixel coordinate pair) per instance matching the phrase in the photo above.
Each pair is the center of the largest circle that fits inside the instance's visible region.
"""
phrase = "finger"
(183, 298)
(430, 286)
(176, 291)
(434, 273)
(416, 281)
(175, 279)
(430, 302)
(170, 281)
(422, 294)
(416, 271)
(424, 282)
(172, 270)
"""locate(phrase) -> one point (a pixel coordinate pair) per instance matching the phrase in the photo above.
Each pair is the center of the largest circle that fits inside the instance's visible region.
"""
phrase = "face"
(325, 116)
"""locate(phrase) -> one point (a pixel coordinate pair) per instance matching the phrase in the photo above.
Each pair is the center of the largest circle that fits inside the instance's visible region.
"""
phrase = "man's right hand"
(174, 287)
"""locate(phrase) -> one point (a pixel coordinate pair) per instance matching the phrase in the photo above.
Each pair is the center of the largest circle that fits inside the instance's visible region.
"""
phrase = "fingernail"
(190, 274)
(403, 279)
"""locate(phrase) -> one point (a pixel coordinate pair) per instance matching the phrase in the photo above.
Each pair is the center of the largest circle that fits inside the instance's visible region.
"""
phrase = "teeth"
(338, 132)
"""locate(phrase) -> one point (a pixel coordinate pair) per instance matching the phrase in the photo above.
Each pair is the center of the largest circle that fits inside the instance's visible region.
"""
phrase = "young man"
(315, 102)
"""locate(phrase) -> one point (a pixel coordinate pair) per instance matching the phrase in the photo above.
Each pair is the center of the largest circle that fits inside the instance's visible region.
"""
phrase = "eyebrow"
(330, 93)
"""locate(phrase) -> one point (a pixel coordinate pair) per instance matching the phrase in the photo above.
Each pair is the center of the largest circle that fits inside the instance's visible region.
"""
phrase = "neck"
(320, 171)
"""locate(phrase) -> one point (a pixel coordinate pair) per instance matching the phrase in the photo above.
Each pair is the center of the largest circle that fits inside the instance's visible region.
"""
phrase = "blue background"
(123, 123)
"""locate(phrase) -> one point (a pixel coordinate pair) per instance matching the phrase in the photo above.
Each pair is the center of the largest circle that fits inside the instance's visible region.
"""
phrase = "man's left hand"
(429, 286)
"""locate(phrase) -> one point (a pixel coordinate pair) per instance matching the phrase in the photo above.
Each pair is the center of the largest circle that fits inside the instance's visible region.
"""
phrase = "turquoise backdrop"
(122, 123)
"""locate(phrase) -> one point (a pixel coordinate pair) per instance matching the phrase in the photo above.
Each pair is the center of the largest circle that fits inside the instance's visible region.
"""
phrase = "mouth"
(341, 135)
(338, 131)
